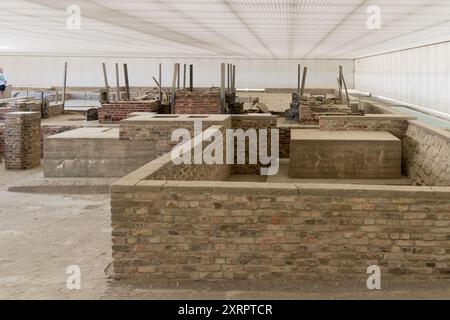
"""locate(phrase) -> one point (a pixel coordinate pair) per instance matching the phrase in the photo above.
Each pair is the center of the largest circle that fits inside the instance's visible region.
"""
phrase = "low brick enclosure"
(22, 140)
(187, 230)
(394, 124)
(117, 111)
(198, 102)
(426, 155)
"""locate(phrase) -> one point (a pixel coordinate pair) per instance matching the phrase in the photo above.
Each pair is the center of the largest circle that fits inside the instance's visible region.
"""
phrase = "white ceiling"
(282, 29)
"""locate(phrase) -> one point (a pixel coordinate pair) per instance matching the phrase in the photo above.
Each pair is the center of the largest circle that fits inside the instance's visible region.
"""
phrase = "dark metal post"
(127, 84)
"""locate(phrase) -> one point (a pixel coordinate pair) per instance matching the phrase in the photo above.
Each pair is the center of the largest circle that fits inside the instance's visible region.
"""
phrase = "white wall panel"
(87, 71)
(419, 76)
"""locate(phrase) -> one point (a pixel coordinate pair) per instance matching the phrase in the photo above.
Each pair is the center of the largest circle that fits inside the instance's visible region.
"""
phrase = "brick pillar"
(22, 140)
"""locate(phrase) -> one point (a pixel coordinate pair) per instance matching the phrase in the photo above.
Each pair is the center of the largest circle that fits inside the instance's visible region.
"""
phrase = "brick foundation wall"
(116, 112)
(396, 125)
(55, 110)
(426, 155)
(165, 169)
(2, 141)
(22, 140)
(218, 231)
(197, 102)
(285, 143)
(246, 122)
(4, 111)
(159, 131)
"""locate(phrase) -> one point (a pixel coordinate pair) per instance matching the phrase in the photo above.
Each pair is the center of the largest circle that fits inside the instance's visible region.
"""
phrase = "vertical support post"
(233, 81)
(191, 78)
(174, 88)
(345, 87)
(117, 82)
(298, 78)
(127, 84)
(184, 77)
(302, 91)
(222, 87)
(340, 82)
(178, 76)
(160, 84)
(228, 77)
(105, 76)
(64, 86)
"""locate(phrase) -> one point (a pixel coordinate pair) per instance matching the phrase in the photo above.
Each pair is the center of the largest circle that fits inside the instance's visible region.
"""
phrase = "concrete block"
(344, 155)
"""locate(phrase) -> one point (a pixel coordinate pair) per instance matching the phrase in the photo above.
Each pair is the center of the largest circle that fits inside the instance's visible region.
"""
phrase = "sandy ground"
(42, 235)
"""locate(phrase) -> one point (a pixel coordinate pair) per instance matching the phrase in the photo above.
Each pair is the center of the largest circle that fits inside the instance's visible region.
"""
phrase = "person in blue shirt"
(3, 83)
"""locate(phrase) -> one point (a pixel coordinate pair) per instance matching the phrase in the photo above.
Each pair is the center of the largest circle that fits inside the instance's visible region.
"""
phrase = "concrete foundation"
(93, 152)
(344, 155)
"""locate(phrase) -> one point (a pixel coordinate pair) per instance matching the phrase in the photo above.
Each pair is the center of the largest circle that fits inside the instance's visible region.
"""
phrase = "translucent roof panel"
(282, 29)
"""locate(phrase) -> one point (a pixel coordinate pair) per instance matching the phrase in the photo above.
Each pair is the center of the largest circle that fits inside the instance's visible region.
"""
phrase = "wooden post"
(117, 82)
(345, 87)
(228, 77)
(105, 76)
(160, 84)
(302, 91)
(233, 79)
(191, 78)
(222, 87)
(64, 86)
(178, 76)
(174, 84)
(127, 84)
(184, 77)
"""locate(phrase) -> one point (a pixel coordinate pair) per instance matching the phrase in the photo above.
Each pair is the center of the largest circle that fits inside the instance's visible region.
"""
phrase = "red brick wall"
(116, 112)
(198, 103)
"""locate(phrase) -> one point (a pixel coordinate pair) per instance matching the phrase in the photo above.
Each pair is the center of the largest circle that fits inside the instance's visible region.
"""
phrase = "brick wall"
(246, 122)
(116, 112)
(396, 125)
(217, 231)
(4, 111)
(159, 130)
(285, 143)
(165, 169)
(197, 102)
(2, 141)
(55, 110)
(22, 140)
(426, 155)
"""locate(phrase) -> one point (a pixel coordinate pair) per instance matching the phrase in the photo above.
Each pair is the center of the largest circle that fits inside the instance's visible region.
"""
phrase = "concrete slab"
(344, 155)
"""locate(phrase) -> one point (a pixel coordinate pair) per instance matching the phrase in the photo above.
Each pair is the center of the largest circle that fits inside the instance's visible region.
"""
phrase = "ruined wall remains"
(221, 230)
(426, 155)
(164, 167)
(158, 129)
(257, 122)
(22, 140)
(2, 141)
(115, 112)
(394, 124)
(198, 102)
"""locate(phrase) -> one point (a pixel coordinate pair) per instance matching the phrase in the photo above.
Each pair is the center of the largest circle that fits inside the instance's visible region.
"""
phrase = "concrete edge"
(441, 133)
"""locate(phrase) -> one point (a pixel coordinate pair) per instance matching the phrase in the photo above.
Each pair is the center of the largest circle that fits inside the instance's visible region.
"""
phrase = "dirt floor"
(42, 235)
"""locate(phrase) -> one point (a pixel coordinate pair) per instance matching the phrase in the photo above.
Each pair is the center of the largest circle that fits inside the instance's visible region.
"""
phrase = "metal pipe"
(127, 84)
